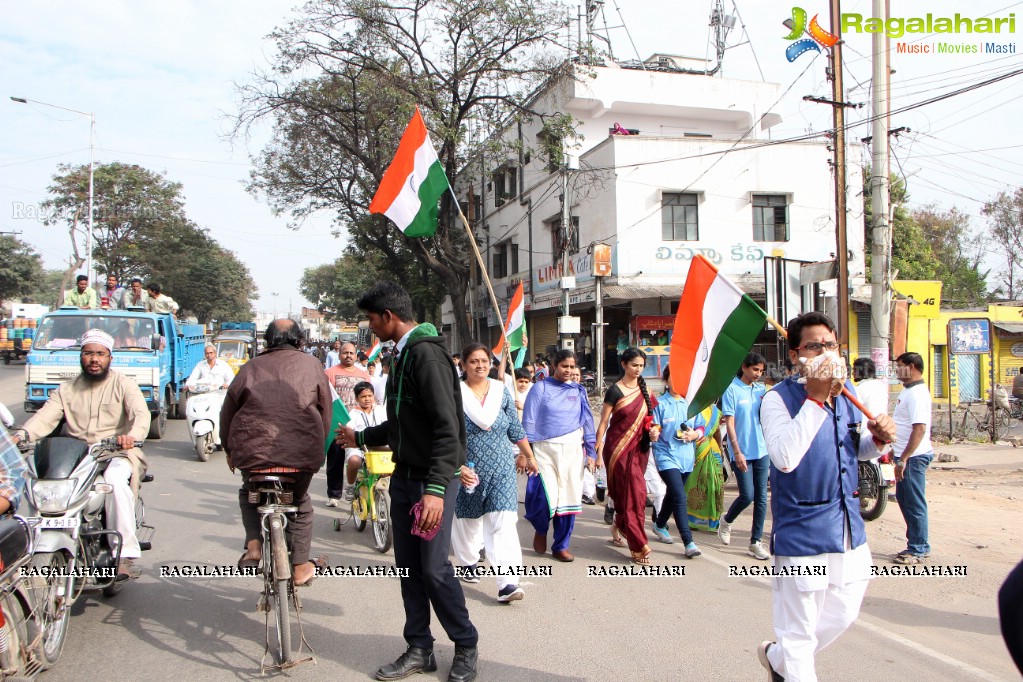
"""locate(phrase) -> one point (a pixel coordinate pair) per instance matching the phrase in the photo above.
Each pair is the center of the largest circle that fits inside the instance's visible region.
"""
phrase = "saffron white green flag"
(413, 183)
(515, 325)
(715, 327)
(338, 417)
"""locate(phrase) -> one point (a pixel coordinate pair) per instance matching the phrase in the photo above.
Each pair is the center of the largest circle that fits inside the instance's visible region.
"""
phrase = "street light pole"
(275, 295)
(92, 167)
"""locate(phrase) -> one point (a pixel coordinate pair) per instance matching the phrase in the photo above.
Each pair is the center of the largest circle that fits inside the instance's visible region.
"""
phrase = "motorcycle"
(203, 415)
(876, 476)
(31, 636)
(65, 493)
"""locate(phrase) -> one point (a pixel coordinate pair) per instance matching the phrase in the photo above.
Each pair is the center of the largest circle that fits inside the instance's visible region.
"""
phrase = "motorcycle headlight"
(53, 497)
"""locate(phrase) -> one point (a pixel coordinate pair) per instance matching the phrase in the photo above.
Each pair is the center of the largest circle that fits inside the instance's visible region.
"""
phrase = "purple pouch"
(417, 510)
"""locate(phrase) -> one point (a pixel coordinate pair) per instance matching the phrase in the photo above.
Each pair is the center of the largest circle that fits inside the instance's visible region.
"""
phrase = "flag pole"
(845, 391)
(486, 278)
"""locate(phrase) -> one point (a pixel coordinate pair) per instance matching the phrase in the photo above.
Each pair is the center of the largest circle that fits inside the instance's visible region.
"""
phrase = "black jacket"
(425, 424)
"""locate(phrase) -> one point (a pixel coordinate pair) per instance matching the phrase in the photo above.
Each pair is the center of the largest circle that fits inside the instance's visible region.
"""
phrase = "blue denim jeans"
(752, 488)
(911, 494)
(675, 503)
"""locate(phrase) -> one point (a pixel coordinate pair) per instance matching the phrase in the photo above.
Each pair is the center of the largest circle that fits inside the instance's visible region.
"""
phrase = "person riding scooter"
(210, 370)
(97, 404)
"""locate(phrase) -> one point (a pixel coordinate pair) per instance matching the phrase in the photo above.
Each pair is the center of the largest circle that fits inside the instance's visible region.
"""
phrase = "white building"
(700, 176)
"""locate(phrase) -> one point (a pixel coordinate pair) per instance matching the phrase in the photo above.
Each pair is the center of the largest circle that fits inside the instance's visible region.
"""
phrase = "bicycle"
(1003, 418)
(372, 501)
(272, 492)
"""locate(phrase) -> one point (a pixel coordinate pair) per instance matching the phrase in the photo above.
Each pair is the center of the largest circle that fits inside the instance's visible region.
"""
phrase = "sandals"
(244, 562)
(616, 537)
(319, 562)
(907, 559)
(642, 557)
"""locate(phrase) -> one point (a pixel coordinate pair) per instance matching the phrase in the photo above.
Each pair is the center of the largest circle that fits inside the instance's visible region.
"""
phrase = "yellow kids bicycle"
(372, 501)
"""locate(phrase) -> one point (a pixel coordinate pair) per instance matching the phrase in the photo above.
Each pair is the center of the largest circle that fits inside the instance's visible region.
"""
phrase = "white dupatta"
(483, 414)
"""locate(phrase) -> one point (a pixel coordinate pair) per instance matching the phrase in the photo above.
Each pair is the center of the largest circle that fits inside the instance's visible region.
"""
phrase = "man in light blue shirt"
(740, 407)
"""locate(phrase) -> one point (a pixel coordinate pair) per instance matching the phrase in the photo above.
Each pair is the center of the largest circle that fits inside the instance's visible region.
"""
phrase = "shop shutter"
(543, 332)
(938, 389)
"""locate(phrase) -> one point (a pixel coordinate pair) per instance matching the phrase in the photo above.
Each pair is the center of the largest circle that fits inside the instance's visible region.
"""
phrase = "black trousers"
(300, 527)
(1010, 609)
(431, 577)
(335, 471)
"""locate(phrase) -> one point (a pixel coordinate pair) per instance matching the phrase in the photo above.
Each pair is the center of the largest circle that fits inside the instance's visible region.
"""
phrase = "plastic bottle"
(469, 489)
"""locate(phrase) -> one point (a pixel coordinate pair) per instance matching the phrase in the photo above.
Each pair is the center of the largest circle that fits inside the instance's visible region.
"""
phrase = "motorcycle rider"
(99, 403)
(210, 369)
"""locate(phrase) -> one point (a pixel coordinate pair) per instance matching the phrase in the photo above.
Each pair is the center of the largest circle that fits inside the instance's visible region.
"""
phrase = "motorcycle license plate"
(56, 523)
(888, 472)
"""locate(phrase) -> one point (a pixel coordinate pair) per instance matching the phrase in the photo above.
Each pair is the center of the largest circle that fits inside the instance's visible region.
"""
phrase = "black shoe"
(609, 514)
(588, 500)
(414, 660)
(463, 668)
(601, 493)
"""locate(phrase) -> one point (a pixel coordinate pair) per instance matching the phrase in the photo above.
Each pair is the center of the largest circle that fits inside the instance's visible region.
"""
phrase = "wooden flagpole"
(845, 391)
(486, 278)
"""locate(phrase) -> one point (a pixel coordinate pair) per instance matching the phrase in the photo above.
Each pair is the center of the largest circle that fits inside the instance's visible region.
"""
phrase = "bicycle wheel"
(280, 565)
(360, 508)
(53, 614)
(383, 534)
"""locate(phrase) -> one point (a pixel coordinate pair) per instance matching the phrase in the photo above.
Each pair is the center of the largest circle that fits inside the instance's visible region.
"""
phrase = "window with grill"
(770, 218)
(679, 220)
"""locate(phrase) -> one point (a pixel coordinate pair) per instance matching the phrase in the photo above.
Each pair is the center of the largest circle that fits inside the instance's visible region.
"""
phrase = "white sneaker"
(757, 551)
(332, 501)
(724, 531)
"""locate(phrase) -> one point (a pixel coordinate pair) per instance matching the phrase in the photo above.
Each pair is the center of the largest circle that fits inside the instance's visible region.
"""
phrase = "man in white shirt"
(914, 452)
(211, 370)
(871, 391)
(158, 302)
(334, 355)
(812, 435)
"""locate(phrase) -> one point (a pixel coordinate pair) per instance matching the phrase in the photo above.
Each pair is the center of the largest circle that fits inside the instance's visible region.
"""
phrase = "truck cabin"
(130, 332)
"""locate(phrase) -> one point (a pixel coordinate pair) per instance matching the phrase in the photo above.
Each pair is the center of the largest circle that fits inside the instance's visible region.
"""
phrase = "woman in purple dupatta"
(623, 441)
(559, 425)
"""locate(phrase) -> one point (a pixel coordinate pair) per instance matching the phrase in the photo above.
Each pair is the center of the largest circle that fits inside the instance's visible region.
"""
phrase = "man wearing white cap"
(97, 404)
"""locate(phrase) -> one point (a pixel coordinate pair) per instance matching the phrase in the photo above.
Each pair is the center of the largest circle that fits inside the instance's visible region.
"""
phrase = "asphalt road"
(700, 626)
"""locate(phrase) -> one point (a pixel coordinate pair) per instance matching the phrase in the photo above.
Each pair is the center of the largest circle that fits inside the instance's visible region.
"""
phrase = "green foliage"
(20, 267)
(141, 230)
(1005, 227)
(365, 65)
(46, 289)
(931, 244)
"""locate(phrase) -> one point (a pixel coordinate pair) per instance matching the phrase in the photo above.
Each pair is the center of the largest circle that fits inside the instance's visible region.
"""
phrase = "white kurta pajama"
(810, 611)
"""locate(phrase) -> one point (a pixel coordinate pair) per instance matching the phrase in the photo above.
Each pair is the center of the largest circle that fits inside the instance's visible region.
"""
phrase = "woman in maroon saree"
(623, 444)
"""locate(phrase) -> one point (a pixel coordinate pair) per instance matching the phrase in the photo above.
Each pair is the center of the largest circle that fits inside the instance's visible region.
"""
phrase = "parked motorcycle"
(203, 415)
(876, 476)
(66, 492)
(31, 631)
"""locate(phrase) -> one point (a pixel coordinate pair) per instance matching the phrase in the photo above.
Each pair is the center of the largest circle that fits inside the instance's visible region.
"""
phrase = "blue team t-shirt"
(743, 403)
(669, 452)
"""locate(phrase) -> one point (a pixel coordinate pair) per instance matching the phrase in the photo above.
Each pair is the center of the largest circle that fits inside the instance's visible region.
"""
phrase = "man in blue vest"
(821, 559)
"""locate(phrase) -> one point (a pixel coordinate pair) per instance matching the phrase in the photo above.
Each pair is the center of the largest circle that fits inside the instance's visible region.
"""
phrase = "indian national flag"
(715, 327)
(515, 326)
(374, 352)
(338, 417)
(413, 183)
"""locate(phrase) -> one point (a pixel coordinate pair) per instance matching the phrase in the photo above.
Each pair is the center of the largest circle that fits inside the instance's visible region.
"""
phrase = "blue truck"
(157, 351)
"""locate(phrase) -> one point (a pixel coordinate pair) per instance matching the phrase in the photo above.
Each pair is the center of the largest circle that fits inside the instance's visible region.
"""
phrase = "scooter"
(203, 414)
(65, 494)
(876, 476)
